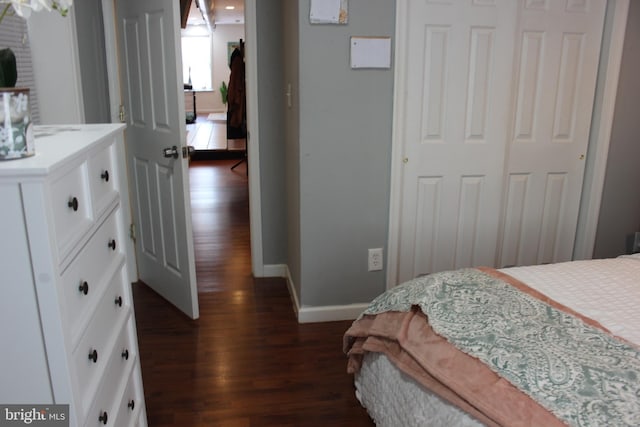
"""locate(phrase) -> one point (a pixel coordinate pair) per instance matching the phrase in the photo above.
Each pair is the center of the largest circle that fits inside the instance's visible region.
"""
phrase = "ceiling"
(221, 14)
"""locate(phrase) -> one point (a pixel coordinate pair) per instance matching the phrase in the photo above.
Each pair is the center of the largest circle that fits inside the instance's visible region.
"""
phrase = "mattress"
(607, 291)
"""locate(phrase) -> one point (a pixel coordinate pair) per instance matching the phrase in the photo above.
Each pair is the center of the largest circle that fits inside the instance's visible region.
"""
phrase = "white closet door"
(557, 53)
(454, 105)
(493, 109)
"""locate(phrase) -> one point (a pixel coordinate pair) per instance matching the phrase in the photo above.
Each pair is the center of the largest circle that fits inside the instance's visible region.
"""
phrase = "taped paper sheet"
(370, 52)
(328, 12)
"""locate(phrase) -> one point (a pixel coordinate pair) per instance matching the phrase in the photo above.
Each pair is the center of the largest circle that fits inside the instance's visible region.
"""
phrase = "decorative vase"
(16, 133)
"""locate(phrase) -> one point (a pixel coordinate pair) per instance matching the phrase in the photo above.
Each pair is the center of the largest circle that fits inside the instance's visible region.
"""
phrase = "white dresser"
(67, 326)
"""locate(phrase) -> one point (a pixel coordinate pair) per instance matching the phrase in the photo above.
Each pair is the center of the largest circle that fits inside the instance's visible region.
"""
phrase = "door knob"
(187, 151)
(171, 152)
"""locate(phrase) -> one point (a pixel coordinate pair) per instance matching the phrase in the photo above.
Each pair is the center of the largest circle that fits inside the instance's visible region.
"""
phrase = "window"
(196, 61)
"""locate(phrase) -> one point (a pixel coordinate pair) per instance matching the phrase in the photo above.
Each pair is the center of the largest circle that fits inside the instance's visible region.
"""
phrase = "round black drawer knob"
(93, 356)
(131, 404)
(125, 354)
(73, 203)
(105, 176)
(119, 301)
(112, 244)
(103, 417)
(84, 288)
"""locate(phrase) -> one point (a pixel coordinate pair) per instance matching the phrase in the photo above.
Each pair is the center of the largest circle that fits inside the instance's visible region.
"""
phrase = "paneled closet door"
(557, 54)
(493, 109)
(453, 113)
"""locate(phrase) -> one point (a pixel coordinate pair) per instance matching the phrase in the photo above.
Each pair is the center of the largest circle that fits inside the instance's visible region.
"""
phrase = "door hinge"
(121, 113)
(132, 232)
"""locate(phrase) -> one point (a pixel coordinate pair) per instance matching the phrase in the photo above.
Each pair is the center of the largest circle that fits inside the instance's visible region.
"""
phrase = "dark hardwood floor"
(246, 361)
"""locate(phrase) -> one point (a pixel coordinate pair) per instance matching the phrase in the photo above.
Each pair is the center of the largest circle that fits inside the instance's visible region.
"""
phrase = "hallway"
(246, 361)
(220, 213)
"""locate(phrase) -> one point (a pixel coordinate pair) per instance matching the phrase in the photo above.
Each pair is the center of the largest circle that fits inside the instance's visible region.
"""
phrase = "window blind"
(13, 34)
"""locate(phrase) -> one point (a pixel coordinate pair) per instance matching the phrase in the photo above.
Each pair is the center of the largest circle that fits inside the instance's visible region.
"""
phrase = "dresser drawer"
(132, 401)
(86, 278)
(111, 390)
(102, 339)
(102, 179)
(71, 208)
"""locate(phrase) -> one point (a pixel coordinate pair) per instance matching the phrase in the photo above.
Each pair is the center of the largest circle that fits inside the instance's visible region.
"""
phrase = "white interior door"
(556, 65)
(452, 120)
(150, 74)
(460, 137)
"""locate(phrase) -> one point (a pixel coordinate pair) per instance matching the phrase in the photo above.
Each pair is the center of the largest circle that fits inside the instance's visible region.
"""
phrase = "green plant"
(224, 90)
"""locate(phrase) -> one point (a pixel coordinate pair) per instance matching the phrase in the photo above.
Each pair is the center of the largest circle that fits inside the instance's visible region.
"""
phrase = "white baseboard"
(292, 292)
(275, 270)
(328, 313)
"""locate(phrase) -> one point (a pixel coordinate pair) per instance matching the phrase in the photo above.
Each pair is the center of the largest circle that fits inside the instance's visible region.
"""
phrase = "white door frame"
(253, 136)
(600, 137)
(255, 207)
(113, 76)
(602, 122)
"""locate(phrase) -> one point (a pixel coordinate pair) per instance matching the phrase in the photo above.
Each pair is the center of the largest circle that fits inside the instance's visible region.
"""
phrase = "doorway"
(253, 163)
(207, 77)
(218, 170)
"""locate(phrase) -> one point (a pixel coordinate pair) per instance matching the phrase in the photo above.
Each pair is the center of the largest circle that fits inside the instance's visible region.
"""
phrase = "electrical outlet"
(375, 259)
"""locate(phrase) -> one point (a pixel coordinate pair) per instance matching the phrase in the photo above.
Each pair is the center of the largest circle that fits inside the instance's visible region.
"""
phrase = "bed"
(548, 345)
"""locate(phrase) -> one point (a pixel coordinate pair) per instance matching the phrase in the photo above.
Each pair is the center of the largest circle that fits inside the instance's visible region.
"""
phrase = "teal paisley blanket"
(580, 373)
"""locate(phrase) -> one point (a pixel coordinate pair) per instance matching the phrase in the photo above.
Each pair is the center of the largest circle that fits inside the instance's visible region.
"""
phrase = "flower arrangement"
(23, 8)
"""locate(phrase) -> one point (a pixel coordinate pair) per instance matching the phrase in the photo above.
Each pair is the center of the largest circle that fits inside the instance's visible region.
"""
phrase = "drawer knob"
(112, 244)
(84, 288)
(93, 356)
(105, 176)
(119, 301)
(131, 404)
(103, 418)
(73, 203)
(125, 354)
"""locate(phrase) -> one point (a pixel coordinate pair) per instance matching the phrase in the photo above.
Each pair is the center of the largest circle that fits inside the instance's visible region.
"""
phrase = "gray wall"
(272, 147)
(344, 156)
(620, 209)
(337, 152)
(93, 64)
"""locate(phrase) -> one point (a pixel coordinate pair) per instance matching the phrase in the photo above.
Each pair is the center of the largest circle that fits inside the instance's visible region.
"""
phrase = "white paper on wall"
(370, 52)
(328, 12)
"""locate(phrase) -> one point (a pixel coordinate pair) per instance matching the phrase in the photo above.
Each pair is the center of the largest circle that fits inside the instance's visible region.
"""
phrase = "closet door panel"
(459, 66)
(557, 53)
